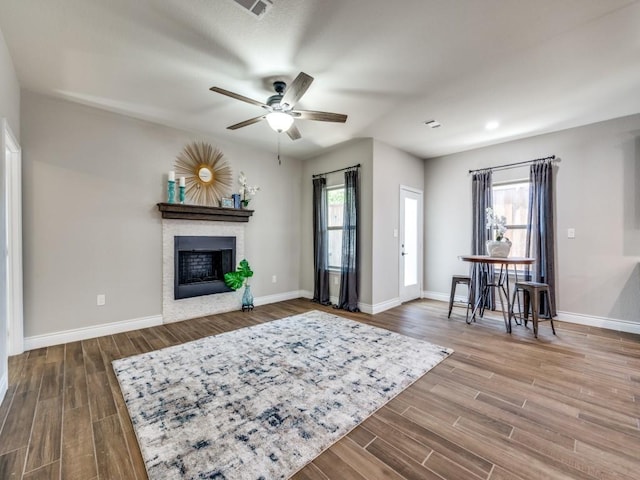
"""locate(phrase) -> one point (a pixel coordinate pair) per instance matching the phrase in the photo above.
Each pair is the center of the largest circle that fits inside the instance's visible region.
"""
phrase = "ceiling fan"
(280, 113)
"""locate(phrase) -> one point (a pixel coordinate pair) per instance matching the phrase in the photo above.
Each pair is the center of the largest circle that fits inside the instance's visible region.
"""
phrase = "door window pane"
(410, 249)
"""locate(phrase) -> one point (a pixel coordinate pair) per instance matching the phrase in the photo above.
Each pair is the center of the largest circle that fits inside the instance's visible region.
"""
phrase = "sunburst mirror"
(208, 176)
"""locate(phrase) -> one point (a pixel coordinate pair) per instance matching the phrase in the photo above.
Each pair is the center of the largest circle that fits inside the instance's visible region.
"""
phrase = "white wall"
(343, 155)
(384, 169)
(91, 182)
(9, 90)
(597, 193)
(391, 168)
(92, 179)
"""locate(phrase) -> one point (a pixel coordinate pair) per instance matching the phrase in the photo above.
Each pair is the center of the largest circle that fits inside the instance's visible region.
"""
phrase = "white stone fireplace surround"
(186, 308)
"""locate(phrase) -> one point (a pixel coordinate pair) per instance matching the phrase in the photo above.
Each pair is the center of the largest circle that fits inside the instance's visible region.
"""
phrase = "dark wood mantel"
(200, 212)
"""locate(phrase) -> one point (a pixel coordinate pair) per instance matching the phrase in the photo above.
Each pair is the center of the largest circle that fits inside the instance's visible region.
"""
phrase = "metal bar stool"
(532, 293)
(455, 280)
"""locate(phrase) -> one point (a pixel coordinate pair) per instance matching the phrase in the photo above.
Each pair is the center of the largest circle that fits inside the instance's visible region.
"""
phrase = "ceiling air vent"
(256, 7)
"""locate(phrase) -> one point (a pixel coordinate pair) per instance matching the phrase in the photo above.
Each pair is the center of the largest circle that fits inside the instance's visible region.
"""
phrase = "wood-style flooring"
(501, 407)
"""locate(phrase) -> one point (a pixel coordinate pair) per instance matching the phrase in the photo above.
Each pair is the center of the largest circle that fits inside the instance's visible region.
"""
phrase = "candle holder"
(182, 189)
(171, 191)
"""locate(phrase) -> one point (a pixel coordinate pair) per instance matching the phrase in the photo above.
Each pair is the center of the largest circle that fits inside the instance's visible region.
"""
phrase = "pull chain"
(279, 161)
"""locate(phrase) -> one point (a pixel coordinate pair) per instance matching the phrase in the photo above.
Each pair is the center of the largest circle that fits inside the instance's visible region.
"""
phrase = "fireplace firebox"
(200, 264)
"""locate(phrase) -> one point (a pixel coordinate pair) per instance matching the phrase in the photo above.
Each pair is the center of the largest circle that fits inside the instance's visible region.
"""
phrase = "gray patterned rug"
(262, 402)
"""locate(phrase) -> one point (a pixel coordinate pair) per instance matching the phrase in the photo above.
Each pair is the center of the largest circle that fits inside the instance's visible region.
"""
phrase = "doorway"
(411, 245)
(11, 243)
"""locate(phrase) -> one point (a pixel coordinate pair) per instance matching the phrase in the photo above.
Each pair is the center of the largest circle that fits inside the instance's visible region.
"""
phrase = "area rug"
(262, 402)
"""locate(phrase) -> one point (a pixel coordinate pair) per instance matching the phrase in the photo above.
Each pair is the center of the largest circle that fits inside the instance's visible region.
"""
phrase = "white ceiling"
(533, 66)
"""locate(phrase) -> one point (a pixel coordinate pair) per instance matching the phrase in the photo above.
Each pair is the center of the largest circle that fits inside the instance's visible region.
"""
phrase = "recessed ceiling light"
(432, 124)
(491, 125)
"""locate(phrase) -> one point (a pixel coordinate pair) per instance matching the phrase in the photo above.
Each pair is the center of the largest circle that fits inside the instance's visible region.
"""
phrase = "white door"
(410, 243)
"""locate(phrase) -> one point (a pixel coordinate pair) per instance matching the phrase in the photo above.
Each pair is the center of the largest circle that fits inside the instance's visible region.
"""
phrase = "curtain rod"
(512, 165)
(335, 171)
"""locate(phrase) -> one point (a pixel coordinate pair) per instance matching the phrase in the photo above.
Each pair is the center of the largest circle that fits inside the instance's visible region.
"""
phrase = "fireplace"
(200, 264)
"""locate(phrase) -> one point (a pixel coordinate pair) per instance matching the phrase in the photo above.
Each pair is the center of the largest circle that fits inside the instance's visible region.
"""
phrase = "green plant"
(235, 280)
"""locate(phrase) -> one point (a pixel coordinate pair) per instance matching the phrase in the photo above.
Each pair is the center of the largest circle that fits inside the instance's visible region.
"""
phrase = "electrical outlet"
(101, 300)
(274, 279)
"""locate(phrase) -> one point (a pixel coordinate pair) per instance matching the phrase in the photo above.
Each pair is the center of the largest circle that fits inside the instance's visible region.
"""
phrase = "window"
(512, 201)
(335, 210)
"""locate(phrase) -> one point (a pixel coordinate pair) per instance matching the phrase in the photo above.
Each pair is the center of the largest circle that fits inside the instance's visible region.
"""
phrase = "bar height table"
(502, 284)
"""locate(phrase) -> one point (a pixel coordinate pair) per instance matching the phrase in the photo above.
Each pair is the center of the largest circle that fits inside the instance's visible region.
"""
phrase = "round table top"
(497, 260)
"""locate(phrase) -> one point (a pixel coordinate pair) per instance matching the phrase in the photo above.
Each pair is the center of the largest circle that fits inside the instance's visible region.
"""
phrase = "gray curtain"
(540, 228)
(482, 198)
(320, 242)
(350, 269)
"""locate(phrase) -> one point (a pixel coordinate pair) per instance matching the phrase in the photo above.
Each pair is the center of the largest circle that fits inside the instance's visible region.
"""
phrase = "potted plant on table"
(501, 246)
(235, 280)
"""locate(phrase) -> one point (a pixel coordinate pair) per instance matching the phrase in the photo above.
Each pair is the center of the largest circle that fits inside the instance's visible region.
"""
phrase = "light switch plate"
(571, 233)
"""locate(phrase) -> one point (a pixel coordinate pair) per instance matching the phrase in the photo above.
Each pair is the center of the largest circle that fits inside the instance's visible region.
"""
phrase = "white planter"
(498, 249)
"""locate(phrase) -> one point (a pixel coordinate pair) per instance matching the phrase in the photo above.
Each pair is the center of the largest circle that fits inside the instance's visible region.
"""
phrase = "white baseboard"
(382, 306)
(306, 294)
(84, 333)
(570, 317)
(601, 322)
(364, 307)
(47, 340)
(280, 297)
(443, 297)
(4, 385)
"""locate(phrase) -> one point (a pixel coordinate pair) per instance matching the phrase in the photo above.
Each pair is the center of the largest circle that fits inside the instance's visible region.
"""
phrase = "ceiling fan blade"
(246, 123)
(294, 133)
(319, 116)
(294, 92)
(237, 96)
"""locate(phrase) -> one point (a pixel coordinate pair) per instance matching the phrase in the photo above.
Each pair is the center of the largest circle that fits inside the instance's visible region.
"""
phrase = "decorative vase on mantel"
(247, 299)
(497, 248)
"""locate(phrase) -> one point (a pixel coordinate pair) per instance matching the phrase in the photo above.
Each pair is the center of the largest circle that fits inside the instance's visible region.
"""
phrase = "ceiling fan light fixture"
(280, 107)
(279, 121)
